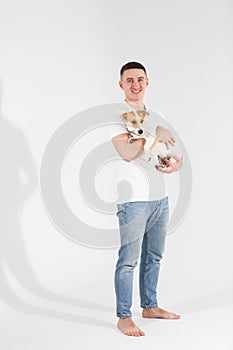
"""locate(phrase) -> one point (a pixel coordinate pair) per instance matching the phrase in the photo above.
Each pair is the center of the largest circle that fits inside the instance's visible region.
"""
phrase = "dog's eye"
(141, 121)
(134, 122)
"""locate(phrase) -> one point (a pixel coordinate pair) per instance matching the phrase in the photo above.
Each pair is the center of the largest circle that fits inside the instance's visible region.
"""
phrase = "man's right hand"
(165, 136)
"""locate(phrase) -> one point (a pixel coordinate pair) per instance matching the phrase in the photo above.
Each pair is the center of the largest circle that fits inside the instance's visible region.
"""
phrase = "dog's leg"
(154, 143)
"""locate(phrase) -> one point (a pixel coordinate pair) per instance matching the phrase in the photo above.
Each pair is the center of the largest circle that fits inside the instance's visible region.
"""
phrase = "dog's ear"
(145, 113)
(124, 116)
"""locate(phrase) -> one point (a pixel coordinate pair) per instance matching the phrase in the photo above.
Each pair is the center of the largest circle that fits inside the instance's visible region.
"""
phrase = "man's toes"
(131, 333)
(140, 333)
(135, 333)
(173, 316)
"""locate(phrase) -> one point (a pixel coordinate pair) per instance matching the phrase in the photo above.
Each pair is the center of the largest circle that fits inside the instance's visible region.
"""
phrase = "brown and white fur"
(134, 125)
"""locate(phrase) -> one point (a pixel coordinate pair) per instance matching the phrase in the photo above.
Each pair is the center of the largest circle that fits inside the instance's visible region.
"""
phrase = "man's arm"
(128, 151)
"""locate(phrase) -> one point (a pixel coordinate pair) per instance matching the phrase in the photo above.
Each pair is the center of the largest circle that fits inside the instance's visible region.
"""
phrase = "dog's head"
(134, 122)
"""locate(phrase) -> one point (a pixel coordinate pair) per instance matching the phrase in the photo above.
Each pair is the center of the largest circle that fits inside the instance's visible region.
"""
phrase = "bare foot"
(128, 327)
(156, 312)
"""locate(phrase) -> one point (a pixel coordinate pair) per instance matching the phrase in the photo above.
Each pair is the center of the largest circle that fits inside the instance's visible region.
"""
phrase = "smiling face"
(134, 83)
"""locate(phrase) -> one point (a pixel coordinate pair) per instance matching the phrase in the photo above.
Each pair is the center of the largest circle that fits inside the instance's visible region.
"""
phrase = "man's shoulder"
(155, 118)
(156, 114)
(116, 125)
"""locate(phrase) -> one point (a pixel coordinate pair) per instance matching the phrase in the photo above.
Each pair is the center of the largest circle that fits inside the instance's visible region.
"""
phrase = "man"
(143, 220)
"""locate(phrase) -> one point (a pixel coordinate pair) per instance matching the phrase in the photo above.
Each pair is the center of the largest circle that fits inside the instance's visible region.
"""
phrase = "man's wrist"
(147, 155)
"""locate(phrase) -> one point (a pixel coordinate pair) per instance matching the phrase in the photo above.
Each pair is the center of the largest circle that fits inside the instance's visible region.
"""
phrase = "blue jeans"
(142, 228)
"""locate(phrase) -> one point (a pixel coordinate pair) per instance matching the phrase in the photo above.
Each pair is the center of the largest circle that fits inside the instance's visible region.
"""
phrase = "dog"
(134, 125)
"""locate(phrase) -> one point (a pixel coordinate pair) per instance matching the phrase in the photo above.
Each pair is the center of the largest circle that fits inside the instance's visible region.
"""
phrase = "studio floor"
(79, 325)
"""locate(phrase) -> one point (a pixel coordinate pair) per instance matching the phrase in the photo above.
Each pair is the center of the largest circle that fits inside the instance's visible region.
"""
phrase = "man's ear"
(121, 84)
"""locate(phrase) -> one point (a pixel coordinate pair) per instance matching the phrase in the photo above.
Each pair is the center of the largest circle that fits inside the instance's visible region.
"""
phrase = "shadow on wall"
(18, 181)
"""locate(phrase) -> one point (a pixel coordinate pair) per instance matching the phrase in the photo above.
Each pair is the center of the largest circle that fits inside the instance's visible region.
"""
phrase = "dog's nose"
(140, 131)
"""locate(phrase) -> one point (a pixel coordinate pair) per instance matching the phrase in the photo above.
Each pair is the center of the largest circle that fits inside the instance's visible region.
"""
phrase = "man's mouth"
(136, 91)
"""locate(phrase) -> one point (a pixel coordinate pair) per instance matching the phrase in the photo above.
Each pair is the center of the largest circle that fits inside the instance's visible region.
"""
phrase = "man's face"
(134, 83)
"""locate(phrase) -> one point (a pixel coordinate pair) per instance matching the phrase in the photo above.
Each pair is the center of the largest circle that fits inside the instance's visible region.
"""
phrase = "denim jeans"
(142, 228)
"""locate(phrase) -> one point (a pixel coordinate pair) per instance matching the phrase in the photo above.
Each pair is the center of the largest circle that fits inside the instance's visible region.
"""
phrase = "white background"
(61, 57)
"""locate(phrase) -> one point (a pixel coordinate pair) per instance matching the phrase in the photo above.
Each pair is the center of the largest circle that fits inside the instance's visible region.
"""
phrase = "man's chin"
(137, 97)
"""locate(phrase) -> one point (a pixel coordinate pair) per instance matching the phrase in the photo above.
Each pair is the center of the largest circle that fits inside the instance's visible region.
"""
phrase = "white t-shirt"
(139, 176)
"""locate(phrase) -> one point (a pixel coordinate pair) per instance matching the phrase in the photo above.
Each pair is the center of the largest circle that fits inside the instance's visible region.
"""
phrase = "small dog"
(134, 125)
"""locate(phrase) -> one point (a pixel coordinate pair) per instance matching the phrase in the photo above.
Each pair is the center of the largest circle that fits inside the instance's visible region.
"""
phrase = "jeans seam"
(144, 275)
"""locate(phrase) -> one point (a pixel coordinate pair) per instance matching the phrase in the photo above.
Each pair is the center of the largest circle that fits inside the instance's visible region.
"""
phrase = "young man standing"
(143, 220)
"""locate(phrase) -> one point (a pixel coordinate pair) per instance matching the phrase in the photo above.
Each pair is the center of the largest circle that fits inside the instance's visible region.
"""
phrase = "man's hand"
(165, 136)
(172, 166)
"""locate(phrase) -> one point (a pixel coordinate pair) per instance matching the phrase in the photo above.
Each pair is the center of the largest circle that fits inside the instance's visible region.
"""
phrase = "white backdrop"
(60, 57)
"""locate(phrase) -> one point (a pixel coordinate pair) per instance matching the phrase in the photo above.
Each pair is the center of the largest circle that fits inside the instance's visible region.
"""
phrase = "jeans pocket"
(121, 208)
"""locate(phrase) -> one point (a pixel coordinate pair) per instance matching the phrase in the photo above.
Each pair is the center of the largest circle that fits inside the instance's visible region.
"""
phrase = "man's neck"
(136, 105)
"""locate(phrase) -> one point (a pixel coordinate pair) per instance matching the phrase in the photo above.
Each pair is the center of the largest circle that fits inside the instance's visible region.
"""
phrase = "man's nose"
(136, 84)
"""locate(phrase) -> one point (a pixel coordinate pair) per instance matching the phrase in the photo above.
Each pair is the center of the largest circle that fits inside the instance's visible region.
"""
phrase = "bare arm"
(128, 151)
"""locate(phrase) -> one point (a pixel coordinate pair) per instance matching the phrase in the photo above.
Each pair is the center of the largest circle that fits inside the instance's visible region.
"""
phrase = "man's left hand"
(172, 166)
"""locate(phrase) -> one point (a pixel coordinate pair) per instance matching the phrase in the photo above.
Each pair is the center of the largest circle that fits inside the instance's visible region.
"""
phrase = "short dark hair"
(132, 65)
